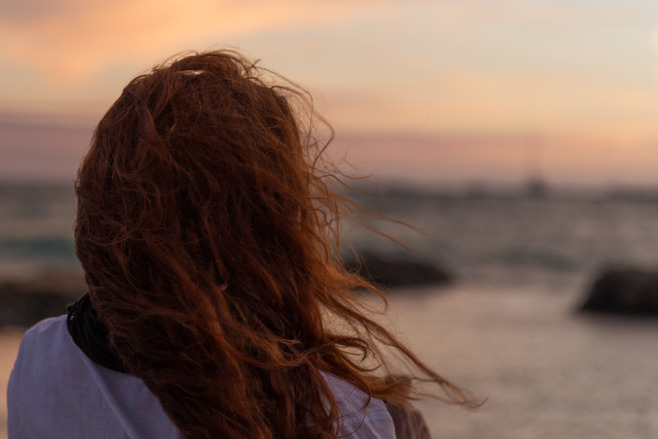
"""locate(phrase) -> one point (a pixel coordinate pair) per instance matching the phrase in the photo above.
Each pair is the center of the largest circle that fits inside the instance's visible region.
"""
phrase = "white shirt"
(56, 391)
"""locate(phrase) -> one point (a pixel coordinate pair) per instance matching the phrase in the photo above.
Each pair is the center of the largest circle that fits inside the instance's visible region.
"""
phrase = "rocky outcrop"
(391, 272)
(624, 291)
(25, 301)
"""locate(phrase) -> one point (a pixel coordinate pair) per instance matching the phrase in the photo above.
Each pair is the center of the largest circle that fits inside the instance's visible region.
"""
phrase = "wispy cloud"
(66, 40)
(69, 40)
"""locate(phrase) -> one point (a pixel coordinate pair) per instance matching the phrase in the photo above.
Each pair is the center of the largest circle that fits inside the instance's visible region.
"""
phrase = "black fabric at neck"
(91, 335)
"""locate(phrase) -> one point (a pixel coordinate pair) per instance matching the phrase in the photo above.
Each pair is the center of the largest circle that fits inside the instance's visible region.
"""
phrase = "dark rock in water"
(23, 302)
(624, 291)
(391, 271)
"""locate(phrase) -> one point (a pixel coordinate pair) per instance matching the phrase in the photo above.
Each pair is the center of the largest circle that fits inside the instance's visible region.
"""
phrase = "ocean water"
(509, 239)
(495, 240)
(543, 371)
(506, 329)
(36, 228)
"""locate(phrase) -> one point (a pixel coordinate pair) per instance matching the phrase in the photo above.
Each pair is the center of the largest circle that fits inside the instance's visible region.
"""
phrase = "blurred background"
(519, 136)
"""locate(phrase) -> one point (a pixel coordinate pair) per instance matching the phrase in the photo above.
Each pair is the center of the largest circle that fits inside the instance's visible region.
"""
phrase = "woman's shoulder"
(49, 360)
(49, 327)
(46, 341)
(55, 390)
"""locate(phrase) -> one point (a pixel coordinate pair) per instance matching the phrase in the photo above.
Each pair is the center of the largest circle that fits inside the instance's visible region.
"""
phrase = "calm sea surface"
(546, 372)
(506, 329)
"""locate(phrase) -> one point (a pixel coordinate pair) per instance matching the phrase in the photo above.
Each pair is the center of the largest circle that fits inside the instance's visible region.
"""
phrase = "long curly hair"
(207, 230)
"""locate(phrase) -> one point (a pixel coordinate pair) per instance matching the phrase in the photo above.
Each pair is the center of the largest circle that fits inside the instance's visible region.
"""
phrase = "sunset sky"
(425, 91)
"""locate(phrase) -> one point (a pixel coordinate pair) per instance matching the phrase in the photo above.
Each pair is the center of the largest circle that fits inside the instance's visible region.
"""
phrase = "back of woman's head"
(204, 230)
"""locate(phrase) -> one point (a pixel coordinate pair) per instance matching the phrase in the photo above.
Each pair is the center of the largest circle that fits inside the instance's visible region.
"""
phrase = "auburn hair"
(207, 230)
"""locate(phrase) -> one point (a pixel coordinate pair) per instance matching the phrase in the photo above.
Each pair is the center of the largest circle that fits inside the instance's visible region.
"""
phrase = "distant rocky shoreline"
(26, 300)
(621, 291)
